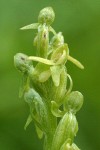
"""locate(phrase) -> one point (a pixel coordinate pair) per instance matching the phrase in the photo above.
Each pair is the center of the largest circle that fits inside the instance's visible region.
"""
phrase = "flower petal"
(52, 30)
(76, 62)
(42, 60)
(55, 73)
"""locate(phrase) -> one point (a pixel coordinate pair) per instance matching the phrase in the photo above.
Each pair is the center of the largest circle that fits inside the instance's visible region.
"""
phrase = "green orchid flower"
(56, 61)
(41, 41)
(47, 87)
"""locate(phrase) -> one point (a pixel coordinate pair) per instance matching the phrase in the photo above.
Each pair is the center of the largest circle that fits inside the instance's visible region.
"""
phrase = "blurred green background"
(79, 20)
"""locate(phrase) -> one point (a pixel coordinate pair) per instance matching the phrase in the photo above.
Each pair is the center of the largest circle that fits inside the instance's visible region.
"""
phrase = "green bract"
(44, 86)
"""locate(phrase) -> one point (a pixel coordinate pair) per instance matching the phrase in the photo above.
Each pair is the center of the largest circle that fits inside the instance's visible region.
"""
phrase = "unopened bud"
(21, 62)
(46, 15)
(74, 101)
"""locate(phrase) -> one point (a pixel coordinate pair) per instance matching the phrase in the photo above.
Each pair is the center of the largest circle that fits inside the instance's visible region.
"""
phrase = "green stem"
(50, 127)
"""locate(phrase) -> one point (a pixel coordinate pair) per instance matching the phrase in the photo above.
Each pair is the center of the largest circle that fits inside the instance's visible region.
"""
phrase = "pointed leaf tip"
(30, 26)
(29, 120)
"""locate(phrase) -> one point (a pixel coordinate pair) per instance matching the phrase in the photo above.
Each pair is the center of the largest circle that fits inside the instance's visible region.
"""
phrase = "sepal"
(41, 72)
(61, 89)
(55, 73)
(52, 30)
(42, 41)
(75, 61)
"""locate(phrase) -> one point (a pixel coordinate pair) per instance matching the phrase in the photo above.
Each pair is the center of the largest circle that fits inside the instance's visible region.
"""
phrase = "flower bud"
(46, 15)
(74, 101)
(37, 107)
(31, 96)
(21, 62)
(66, 129)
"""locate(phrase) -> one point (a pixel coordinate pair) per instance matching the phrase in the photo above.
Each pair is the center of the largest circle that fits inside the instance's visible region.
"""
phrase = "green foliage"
(45, 87)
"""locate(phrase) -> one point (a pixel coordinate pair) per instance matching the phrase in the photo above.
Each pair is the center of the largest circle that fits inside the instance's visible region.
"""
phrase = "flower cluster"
(45, 87)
